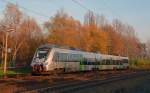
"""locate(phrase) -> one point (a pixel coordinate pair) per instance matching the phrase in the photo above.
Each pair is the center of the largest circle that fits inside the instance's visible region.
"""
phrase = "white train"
(49, 58)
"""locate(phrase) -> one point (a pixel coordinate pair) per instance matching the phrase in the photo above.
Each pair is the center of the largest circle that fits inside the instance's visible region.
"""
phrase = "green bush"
(139, 63)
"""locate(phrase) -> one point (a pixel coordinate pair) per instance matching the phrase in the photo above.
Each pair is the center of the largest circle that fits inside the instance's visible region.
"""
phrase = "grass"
(17, 71)
(8, 72)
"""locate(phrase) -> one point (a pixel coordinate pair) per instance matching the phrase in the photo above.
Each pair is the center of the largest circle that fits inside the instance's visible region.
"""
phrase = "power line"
(112, 11)
(106, 5)
(37, 13)
(84, 7)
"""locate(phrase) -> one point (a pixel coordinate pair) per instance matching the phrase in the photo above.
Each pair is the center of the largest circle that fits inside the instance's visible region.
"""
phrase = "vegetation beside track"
(140, 63)
(17, 71)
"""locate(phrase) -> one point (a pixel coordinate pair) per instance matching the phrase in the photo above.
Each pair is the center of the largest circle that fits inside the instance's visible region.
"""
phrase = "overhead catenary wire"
(45, 16)
(84, 7)
(88, 9)
(75, 1)
(111, 10)
(104, 2)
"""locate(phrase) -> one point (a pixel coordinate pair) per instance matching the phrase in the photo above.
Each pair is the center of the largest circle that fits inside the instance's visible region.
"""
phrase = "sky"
(133, 12)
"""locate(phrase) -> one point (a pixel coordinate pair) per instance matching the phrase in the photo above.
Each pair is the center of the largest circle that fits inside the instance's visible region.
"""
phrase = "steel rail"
(74, 86)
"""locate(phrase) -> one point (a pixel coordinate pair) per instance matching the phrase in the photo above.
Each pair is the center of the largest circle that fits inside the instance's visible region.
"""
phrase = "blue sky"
(133, 12)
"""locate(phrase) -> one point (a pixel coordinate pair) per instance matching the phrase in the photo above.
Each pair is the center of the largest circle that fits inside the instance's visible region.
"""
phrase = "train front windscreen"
(42, 53)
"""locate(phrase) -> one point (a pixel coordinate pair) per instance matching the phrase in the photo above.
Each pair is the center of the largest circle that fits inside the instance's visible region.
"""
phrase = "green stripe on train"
(82, 66)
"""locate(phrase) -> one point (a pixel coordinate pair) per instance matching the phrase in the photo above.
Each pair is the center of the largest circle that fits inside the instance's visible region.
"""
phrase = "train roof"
(57, 46)
(47, 46)
(104, 56)
(73, 50)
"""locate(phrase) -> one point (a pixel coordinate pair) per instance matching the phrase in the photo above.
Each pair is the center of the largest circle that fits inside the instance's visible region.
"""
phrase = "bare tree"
(12, 19)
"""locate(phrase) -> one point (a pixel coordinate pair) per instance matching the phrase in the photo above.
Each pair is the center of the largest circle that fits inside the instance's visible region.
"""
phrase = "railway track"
(30, 74)
(74, 86)
(28, 83)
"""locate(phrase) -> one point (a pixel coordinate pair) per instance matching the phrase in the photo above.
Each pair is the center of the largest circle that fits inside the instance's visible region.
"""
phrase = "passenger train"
(51, 58)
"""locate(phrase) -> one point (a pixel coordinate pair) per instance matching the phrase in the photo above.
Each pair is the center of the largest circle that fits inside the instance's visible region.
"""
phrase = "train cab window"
(42, 53)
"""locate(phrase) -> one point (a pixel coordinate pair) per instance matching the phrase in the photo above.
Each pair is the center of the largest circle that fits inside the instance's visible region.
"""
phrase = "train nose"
(38, 68)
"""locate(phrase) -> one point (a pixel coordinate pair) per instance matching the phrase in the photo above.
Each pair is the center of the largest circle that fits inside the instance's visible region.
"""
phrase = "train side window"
(107, 62)
(97, 63)
(63, 57)
(125, 61)
(121, 62)
(56, 57)
(117, 62)
(85, 63)
(75, 57)
(113, 62)
(81, 63)
(104, 62)
(88, 63)
(101, 62)
(60, 57)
